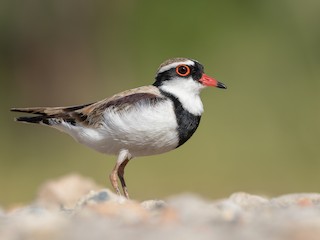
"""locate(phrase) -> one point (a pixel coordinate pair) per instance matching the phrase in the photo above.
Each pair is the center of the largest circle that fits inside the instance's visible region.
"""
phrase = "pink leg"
(121, 177)
(123, 159)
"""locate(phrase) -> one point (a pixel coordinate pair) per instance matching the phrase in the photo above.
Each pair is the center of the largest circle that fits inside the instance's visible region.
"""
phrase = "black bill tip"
(221, 85)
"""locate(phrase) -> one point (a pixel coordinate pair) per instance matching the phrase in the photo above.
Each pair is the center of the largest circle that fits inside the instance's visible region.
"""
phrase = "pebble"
(75, 208)
(65, 191)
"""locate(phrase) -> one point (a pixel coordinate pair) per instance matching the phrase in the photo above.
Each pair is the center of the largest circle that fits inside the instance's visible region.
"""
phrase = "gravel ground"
(75, 208)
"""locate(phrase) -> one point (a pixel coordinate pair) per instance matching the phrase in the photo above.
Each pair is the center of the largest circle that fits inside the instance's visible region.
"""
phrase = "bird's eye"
(183, 70)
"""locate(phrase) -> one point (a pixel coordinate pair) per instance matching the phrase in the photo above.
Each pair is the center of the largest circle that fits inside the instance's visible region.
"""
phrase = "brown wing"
(91, 114)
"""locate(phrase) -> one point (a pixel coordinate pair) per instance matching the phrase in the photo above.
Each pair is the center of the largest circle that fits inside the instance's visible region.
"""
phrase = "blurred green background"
(261, 135)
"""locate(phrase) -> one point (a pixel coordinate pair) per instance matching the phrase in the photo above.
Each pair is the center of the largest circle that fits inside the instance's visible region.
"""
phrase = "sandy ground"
(75, 208)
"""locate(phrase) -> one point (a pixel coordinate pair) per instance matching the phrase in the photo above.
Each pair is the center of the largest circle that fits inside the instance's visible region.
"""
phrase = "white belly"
(142, 130)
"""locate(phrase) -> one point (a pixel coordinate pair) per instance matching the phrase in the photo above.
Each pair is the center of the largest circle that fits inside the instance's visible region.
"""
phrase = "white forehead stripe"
(175, 64)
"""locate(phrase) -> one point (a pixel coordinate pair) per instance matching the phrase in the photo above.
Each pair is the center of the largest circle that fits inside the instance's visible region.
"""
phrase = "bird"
(143, 121)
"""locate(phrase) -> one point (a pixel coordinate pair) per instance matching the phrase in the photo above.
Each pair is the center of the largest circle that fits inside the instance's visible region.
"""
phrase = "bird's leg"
(113, 178)
(121, 177)
(123, 158)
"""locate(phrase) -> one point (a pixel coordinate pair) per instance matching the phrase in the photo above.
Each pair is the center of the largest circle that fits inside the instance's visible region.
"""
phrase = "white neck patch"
(175, 64)
(187, 91)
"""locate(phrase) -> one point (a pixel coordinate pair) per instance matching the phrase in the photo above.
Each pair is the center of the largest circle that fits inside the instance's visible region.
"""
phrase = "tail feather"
(50, 115)
(49, 111)
(36, 119)
(42, 119)
(40, 111)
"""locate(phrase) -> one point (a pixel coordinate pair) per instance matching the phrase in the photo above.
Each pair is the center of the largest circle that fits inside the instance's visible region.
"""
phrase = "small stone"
(160, 212)
(64, 192)
(168, 216)
(154, 205)
(128, 212)
(297, 199)
(247, 201)
(229, 211)
(33, 222)
(101, 196)
(106, 203)
(192, 209)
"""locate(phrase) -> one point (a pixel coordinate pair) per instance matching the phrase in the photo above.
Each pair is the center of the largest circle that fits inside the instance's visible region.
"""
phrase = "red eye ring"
(183, 70)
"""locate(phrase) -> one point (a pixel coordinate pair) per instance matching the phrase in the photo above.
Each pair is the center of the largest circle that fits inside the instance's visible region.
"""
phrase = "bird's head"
(184, 73)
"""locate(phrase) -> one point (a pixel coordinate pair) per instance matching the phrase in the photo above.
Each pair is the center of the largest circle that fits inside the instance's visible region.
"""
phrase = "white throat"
(188, 93)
